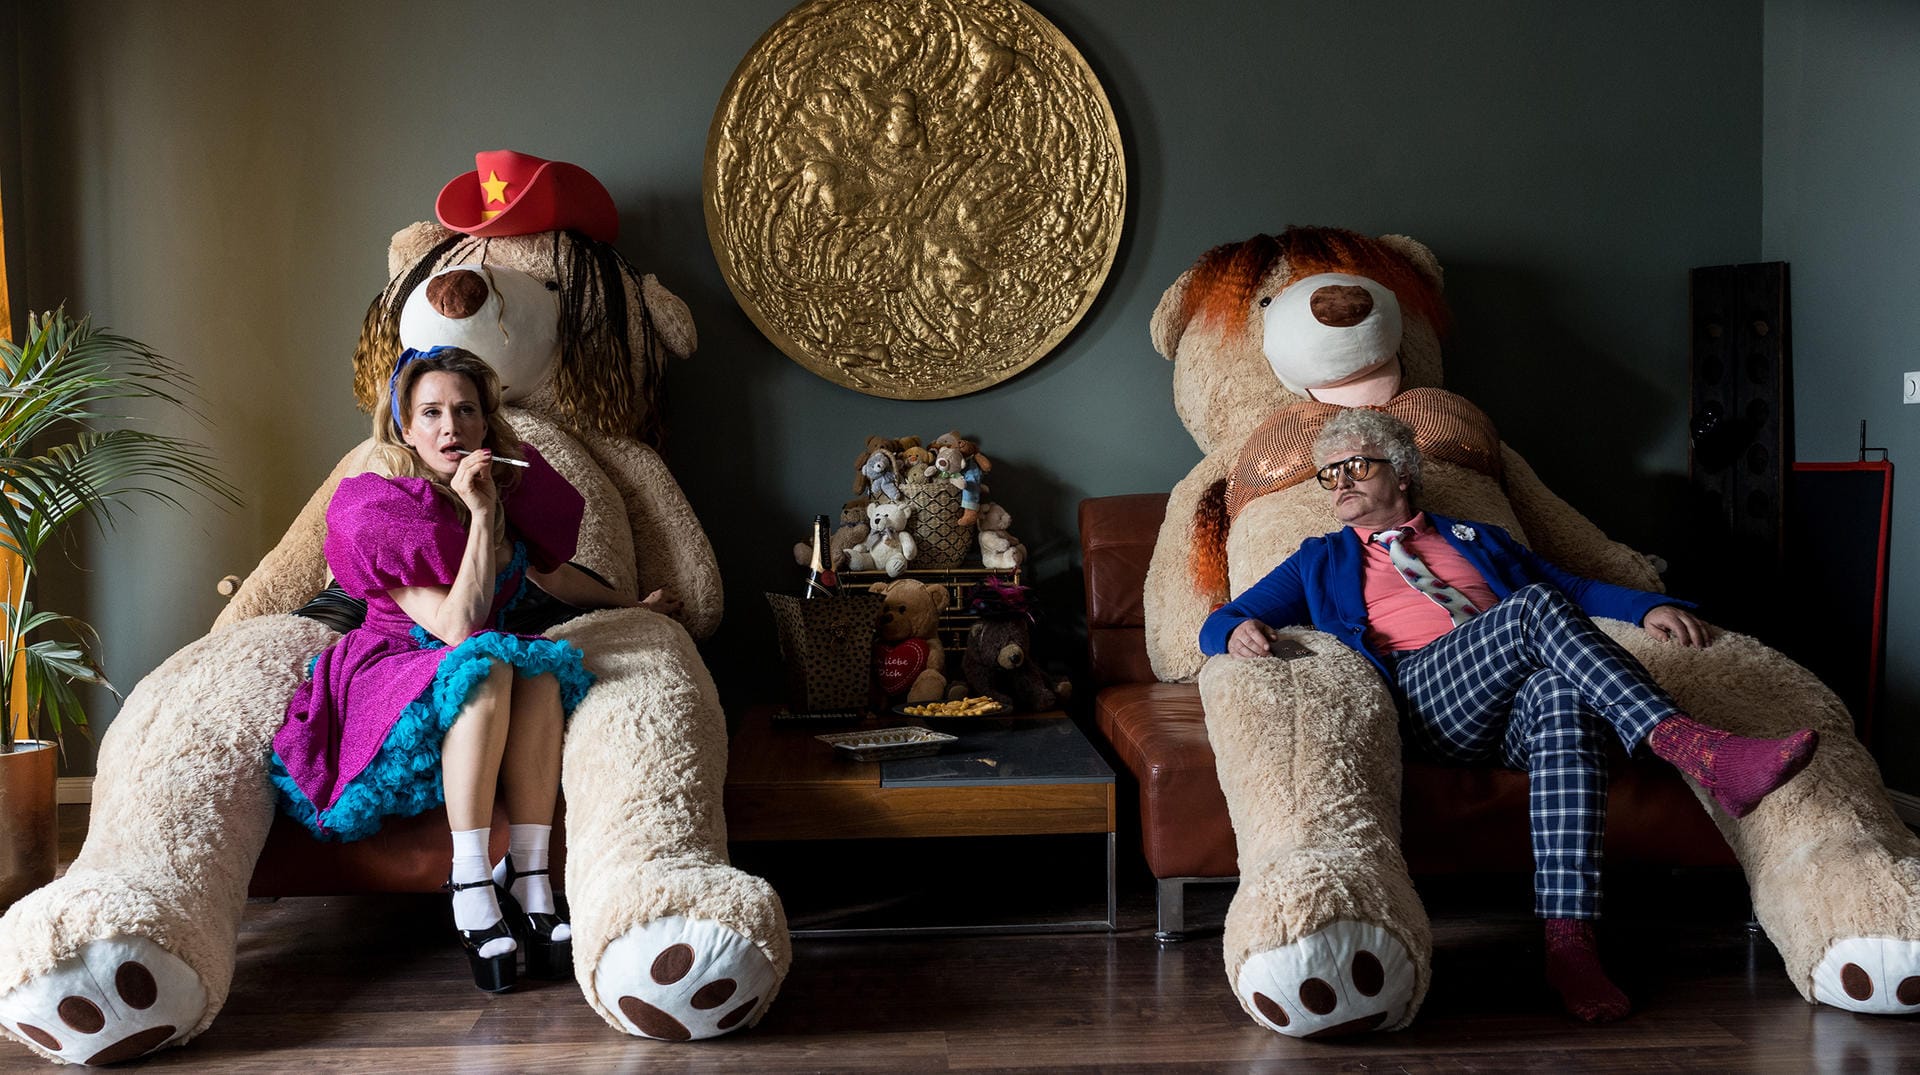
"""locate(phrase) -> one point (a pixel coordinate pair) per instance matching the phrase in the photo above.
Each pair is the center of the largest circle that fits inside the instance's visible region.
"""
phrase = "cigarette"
(523, 464)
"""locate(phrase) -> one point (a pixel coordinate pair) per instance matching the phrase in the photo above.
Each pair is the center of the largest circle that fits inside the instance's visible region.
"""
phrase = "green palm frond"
(70, 446)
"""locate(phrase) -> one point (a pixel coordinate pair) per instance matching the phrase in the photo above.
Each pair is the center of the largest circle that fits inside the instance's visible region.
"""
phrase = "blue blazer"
(1321, 585)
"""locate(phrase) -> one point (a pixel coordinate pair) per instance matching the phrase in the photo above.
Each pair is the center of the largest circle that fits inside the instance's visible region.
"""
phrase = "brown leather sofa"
(408, 854)
(1454, 820)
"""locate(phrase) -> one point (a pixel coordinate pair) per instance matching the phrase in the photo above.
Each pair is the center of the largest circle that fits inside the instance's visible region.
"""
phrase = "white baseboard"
(1907, 806)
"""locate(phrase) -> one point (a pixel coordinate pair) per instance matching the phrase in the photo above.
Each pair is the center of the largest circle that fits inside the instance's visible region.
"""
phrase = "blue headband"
(393, 382)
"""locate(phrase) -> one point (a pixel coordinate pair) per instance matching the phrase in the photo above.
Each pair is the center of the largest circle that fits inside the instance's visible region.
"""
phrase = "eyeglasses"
(1359, 468)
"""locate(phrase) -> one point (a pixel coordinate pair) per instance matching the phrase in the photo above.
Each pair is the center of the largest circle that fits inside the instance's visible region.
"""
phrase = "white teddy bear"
(888, 546)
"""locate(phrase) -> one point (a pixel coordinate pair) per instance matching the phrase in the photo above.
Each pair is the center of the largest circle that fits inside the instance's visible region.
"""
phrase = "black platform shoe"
(494, 974)
(546, 958)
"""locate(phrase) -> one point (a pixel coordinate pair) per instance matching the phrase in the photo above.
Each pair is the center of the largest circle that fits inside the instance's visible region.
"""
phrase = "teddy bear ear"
(878, 587)
(672, 321)
(412, 243)
(1416, 251)
(941, 598)
(1170, 317)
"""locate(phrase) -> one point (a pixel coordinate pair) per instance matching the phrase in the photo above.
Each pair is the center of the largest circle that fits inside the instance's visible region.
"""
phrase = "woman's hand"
(1671, 623)
(473, 483)
(664, 601)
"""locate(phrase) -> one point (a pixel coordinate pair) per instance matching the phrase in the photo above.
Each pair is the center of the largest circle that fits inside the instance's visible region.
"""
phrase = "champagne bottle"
(821, 581)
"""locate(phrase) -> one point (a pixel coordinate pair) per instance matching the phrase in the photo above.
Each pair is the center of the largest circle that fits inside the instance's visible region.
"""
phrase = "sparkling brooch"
(1463, 531)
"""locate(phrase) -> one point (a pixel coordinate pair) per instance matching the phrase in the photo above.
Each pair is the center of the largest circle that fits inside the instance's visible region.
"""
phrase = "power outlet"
(1910, 387)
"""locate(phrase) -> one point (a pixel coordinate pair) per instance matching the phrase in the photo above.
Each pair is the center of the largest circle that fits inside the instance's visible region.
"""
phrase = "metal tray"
(883, 743)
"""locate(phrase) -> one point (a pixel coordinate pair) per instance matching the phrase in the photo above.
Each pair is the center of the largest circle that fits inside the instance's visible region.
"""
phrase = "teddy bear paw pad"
(680, 979)
(1875, 975)
(115, 999)
(1348, 978)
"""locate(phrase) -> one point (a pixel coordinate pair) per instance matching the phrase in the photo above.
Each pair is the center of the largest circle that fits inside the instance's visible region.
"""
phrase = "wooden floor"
(371, 984)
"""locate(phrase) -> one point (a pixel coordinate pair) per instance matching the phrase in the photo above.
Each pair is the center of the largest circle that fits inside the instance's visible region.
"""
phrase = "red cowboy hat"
(511, 193)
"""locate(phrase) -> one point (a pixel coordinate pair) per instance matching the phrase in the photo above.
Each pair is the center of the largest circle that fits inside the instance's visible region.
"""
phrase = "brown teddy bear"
(1308, 749)
(958, 460)
(909, 662)
(852, 531)
(999, 549)
(151, 906)
(999, 664)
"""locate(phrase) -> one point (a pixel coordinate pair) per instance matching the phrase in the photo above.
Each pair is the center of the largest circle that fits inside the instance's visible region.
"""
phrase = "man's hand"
(1671, 623)
(1250, 639)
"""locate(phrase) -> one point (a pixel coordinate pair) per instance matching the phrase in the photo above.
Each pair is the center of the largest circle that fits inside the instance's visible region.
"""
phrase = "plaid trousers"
(1530, 683)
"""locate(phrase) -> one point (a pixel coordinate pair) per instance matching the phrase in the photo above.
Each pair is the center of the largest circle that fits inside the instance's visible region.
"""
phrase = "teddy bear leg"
(1325, 935)
(669, 940)
(928, 686)
(1834, 873)
(133, 948)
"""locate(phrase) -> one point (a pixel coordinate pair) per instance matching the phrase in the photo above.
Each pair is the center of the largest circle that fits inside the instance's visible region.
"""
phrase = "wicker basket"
(942, 540)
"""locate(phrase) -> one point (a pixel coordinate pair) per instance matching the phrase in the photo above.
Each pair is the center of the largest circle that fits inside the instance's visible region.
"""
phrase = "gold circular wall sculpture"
(915, 199)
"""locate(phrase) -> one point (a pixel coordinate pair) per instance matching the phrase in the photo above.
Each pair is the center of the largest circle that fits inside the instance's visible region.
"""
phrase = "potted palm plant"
(70, 446)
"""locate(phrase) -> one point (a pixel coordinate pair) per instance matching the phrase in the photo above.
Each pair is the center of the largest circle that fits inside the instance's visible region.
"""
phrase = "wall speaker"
(1741, 435)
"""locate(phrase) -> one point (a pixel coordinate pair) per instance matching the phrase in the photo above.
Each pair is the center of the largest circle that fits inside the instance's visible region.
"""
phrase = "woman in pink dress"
(429, 700)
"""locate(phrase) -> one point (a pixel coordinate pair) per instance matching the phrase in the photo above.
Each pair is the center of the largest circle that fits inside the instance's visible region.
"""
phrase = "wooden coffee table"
(1025, 776)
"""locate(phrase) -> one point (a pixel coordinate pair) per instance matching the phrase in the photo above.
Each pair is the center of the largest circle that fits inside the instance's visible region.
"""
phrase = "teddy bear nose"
(1012, 656)
(1341, 305)
(457, 295)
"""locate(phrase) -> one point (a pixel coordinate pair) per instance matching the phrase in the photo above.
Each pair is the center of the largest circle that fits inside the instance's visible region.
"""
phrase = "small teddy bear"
(914, 458)
(878, 469)
(852, 531)
(909, 663)
(998, 548)
(959, 461)
(888, 546)
(999, 664)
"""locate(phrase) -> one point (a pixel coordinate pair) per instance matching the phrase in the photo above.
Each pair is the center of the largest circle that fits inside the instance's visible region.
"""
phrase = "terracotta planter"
(29, 827)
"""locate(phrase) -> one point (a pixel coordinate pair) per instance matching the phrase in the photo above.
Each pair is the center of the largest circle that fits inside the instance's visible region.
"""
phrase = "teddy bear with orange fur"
(1308, 750)
(134, 948)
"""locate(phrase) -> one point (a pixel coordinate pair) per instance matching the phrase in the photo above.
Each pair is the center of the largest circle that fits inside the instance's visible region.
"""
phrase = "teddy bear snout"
(1341, 305)
(1011, 656)
(457, 295)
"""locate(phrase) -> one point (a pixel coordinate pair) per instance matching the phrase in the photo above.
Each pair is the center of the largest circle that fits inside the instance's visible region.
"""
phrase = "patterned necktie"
(1421, 577)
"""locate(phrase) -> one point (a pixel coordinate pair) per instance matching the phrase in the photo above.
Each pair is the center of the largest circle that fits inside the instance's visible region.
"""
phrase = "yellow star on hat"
(496, 189)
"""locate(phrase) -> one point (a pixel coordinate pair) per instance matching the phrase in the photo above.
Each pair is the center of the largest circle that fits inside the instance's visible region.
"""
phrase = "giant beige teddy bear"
(133, 948)
(1308, 750)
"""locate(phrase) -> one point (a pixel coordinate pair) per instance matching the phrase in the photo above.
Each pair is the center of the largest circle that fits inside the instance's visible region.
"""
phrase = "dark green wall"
(221, 179)
(1840, 204)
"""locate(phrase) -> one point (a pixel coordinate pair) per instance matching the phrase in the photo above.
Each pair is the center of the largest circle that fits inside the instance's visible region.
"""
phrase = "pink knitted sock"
(1736, 770)
(1574, 971)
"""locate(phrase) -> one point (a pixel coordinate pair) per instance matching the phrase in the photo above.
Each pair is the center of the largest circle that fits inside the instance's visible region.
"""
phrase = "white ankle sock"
(529, 846)
(475, 908)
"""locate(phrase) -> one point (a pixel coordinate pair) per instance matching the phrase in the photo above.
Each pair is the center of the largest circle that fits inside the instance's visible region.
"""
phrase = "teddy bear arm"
(1174, 604)
(669, 543)
(1561, 534)
(296, 568)
(981, 681)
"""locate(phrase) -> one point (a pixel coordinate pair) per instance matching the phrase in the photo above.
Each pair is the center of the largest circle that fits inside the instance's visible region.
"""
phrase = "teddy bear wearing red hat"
(668, 940)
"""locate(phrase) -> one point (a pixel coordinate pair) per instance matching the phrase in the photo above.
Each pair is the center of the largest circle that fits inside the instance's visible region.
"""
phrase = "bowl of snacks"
(980, 706)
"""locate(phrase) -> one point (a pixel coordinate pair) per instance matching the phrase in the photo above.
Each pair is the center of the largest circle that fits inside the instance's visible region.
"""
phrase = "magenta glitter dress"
(363, 733)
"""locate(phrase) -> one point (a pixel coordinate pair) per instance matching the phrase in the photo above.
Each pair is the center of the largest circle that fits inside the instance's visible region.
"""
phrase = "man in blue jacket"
(1492, 657)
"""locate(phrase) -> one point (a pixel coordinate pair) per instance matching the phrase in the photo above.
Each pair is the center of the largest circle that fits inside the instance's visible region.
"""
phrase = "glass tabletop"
(1027, 752)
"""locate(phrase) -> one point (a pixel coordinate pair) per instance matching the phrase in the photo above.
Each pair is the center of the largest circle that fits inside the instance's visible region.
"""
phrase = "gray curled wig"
(1381, 431)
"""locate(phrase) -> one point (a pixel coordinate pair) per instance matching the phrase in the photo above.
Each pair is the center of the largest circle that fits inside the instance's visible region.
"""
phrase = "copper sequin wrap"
(1279, 454)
